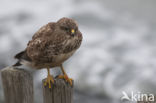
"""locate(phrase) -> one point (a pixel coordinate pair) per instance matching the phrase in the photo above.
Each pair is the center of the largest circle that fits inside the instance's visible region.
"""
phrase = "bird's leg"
(65, 76)
(49, 79)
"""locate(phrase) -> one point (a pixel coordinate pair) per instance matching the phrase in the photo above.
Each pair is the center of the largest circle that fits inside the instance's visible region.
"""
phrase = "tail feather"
(17, 64)
(21, 56)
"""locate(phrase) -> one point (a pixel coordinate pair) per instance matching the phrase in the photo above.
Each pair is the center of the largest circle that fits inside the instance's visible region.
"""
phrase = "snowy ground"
(118, 49)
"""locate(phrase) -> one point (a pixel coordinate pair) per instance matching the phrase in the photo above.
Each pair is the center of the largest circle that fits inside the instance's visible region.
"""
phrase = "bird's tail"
(17, 64)
(19, 56)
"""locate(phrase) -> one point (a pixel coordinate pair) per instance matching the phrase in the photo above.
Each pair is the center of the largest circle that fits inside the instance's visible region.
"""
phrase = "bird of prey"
(50, 46)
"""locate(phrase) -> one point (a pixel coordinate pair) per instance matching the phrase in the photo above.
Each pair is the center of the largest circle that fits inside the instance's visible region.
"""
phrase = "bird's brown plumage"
(52, 44)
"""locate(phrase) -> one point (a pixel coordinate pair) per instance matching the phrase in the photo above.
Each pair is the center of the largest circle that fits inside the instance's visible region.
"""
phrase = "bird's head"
(68, 25)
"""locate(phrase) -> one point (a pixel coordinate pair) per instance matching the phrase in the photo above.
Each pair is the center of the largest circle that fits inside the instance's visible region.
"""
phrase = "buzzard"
(50, 46)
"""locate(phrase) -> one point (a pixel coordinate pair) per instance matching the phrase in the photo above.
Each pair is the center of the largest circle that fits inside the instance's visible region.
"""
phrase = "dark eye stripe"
(65, 28)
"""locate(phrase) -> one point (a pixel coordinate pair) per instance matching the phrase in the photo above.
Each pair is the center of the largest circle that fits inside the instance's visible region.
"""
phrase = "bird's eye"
(65, 28)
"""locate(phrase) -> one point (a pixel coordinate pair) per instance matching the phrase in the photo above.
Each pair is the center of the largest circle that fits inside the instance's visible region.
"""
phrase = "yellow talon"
(65, 77)
(49, 79)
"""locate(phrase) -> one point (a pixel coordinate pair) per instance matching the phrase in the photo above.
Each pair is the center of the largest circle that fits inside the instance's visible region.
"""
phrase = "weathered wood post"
(61, 92)
(17, 85)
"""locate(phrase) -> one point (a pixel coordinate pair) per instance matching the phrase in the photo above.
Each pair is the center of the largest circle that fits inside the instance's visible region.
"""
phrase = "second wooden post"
(61, 92)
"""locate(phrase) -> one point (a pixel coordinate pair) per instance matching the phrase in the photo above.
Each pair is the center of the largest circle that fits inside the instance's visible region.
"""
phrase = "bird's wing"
(41, 49)
(45, 30)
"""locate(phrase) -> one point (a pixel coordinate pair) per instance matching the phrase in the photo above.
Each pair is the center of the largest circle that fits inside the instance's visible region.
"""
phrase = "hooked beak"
(72, 32)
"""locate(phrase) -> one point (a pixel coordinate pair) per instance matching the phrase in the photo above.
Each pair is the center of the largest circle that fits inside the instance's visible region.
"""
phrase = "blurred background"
(118, 52)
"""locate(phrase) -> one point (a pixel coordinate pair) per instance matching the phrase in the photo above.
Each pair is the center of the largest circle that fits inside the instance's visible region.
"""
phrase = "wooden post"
(61, 92)
(17, 85)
